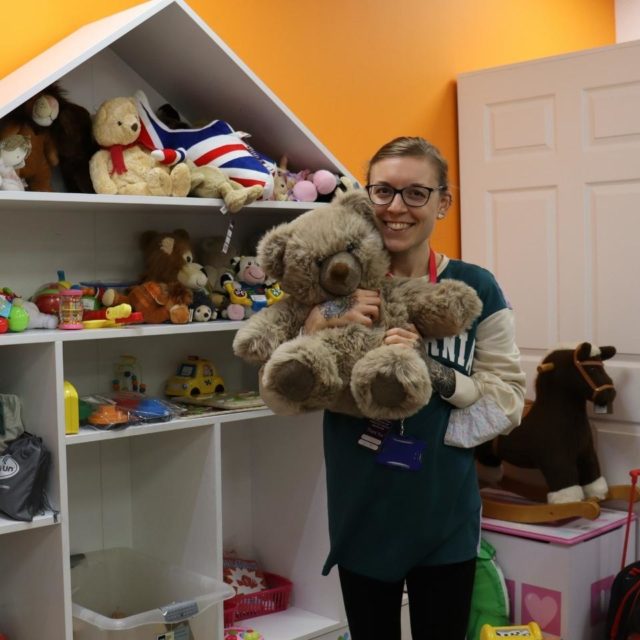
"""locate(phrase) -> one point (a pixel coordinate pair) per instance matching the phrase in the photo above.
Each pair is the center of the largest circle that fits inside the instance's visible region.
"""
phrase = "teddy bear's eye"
(188, 257)
(351, 247)
(119, 123)
(319, 261)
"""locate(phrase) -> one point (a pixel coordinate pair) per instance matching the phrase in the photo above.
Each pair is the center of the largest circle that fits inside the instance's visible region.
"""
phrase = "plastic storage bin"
(120, 594)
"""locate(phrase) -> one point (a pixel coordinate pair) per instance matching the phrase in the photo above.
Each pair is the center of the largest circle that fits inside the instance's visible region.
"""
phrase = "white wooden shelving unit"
(186, 490)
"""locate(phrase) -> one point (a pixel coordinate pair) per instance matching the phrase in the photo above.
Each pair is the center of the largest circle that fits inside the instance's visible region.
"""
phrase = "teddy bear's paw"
(179, 314)
(158, 182)
(390, 382)
(250, 344)
(447, 309)
(180, 180)
(304, 373)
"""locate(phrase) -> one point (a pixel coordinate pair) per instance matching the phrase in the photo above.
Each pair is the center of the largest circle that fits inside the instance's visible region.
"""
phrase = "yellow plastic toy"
(71, 409)
(531, 630)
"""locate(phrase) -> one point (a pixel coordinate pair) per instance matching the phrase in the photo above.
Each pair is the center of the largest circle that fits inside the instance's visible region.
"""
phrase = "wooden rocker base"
(526, 504)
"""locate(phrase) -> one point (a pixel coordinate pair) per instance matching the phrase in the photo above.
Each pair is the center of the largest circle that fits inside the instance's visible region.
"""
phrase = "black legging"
(439, 601)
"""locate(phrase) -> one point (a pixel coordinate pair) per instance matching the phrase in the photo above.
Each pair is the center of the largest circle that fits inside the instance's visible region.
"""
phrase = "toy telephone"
(531, 630)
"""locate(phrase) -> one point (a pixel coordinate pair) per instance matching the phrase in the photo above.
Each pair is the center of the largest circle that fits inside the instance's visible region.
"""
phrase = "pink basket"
(274, 598)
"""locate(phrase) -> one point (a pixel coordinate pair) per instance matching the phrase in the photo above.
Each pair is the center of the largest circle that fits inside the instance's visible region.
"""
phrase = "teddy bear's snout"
(340, 274)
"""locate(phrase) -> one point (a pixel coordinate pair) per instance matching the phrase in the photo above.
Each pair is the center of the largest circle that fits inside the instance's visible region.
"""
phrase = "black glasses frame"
(429, 190)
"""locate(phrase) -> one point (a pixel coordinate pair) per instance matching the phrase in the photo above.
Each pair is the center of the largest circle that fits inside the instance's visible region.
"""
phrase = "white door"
(550, 197)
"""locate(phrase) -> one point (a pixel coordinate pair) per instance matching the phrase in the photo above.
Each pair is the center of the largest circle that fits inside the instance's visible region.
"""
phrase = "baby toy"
(241, 633)
(194, 377)
(555, 434)
(47, 297)
(249, 290)
(14, 150)
(18, 318)
(37, 319)
(531, 630)
(324, 255)
(123, 166)
(128, 376)
(217, 145)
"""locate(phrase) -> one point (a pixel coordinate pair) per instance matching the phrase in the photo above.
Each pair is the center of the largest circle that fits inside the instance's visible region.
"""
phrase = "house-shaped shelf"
(164, 48)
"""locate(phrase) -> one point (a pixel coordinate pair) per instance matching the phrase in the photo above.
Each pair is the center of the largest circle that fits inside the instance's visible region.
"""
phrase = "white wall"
(627, 20)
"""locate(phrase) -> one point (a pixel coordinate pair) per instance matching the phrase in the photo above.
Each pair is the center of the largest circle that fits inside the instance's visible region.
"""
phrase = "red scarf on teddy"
(117, 157)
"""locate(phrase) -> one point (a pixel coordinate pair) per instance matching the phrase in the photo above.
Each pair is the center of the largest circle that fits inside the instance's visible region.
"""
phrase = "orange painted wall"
(358, 72)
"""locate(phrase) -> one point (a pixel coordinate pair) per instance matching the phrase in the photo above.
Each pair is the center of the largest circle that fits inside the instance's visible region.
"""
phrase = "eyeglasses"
(412, 196)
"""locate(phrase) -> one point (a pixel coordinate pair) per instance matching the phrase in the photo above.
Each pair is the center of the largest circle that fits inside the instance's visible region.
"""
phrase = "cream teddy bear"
(326, 254)
(124, 166)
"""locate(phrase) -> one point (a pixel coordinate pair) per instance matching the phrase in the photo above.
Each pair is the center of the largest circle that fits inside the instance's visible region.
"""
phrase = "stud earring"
(440, 215)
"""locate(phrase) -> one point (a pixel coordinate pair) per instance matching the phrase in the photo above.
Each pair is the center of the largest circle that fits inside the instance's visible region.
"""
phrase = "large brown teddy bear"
(125, 167)
(168, 282)
(326, 254)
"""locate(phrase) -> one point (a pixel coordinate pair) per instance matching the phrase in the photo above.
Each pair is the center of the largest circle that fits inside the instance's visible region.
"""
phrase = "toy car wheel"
(195, 391)
(219, 388)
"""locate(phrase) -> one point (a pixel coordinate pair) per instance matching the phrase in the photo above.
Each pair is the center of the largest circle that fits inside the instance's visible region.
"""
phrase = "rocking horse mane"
(555, 434)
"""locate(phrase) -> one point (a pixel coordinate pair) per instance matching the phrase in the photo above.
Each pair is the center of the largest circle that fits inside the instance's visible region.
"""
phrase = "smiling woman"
(480, 392)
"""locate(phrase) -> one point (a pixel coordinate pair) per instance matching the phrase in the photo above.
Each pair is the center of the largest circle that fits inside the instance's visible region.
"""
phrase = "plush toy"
(71, 130)
(555, 435)
(248, 289)
(325, 255)
(39, 164)
(207, 180)
(216, 145)
(168, 281)
(307, 186)
(215, 263)
(14, 150)
(201, 308)
(123, 166)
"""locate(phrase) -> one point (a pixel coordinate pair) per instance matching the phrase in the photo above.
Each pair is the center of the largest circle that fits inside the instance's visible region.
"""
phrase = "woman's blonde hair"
(414, 147)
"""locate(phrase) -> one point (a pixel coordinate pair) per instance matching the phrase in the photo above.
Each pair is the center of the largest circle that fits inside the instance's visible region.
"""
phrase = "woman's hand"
(404, 337)
(362, 307)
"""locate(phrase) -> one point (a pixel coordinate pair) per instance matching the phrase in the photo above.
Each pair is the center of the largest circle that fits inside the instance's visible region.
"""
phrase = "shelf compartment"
(292, 624)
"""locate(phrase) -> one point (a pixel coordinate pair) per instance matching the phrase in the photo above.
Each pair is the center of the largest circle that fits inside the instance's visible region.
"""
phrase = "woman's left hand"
(403, 336)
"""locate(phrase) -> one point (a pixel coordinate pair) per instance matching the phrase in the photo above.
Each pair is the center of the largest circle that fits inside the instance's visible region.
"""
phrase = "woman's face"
(407, 229)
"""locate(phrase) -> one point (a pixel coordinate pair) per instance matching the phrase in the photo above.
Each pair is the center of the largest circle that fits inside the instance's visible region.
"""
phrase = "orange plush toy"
(169, 279)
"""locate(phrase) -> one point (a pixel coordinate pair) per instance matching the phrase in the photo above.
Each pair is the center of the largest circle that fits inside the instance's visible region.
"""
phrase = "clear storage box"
(120, 594)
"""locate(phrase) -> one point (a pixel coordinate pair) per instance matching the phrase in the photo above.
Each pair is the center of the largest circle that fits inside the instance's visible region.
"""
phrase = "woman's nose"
(397, 204)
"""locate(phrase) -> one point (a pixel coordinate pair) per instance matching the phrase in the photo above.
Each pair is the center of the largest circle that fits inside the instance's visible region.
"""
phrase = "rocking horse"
(555, 437)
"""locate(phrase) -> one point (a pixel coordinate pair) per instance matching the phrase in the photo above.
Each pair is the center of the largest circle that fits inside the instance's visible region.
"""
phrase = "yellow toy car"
(195, 377)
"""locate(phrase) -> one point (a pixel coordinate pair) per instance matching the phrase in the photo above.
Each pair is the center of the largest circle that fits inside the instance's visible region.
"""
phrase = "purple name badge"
(401, 452)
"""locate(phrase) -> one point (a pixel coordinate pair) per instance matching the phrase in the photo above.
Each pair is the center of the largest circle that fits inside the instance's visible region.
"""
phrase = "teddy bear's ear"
(167, 243)
(181, 234)
(271, 248)
(357, 200)
(147, 240)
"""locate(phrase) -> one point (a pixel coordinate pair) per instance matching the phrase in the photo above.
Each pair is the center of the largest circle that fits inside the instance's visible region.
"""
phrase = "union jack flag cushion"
(217, 144)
